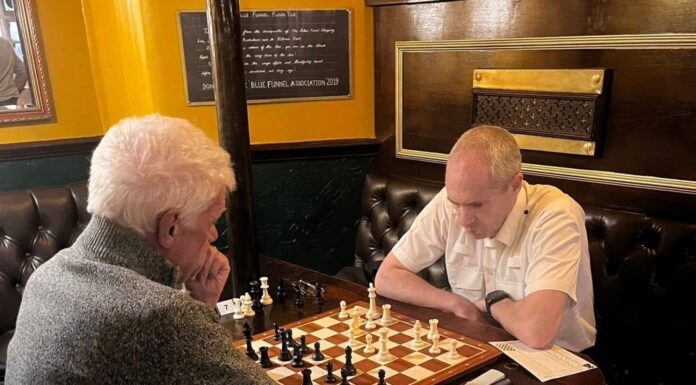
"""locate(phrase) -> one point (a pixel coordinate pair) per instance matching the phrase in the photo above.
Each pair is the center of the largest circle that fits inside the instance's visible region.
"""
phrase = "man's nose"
(465, 217)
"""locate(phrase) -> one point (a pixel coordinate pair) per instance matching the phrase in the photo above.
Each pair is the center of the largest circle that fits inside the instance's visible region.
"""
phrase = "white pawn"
(343, 314)
(369, 349)
(453, 354)
(435, 348)
(433, 328)
(238, 312)
(386, 315)
(265, 297)
(249, 310)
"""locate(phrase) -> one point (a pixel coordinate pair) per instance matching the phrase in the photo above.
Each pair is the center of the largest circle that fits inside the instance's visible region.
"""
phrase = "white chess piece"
(383, 355)
(249, 310)
(372, 312)
(433, 328)
(417, 342)
(265, 297)
(369, 349)
(386, 315)
(453, 354)
(370, 324)
(435, 348)
(343, 314)
(352, 341)
(355, 322)
(238, 312)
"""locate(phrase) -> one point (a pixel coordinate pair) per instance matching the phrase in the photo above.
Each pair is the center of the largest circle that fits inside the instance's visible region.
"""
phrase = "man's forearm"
(407, 287)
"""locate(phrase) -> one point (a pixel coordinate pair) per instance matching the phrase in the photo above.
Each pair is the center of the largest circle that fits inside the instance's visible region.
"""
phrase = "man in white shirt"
(13, 76)
(516, 250)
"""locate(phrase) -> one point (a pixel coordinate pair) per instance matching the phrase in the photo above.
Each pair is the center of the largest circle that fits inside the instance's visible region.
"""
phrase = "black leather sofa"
(34, 225)
(643, 269)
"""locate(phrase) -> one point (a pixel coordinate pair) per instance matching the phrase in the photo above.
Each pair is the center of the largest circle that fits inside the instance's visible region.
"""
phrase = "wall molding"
(50, 148)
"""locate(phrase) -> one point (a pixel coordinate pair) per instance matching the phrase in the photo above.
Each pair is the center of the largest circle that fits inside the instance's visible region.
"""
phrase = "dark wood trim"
(380, 3)
(314, 150)
(61, 147)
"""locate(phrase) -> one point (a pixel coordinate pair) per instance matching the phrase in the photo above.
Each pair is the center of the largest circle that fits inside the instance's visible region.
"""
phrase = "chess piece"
(249, 310)
(386, 315)
(369, 349)
(246, 329)
(417, 342)
(265, 297)
(303, 345)
(352, 342)
(383, 355)
(249, 349)
(435, 348)
(344, 376)
(280, 290)
(355, 321)
(298, 296)
(381, 374)
(348, 366)
(297, 358)
(433, 328)
(329, 378)
(238, 312)
(453, 354)
(255, 294)
(372, 310)
(284, 354)
(318, 300)
(276, 335)
(343, 314)
(291, 339)
(318, 355)
(370, 324)
(307, 377)
(265, 361)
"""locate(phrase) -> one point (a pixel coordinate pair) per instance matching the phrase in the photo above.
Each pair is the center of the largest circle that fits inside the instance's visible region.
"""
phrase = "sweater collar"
(108, 242)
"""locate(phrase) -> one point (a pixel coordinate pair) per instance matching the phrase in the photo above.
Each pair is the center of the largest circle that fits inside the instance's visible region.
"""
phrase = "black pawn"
(318, 355)
(381, 374)
(350, 369)
(280, 290)
(284, 354)
(303, 345)
(265, 360)
(306, 377)
(329, 378)
(344, 376)
(276, 335)
(298, 297)
(297, 358)
(318, 300)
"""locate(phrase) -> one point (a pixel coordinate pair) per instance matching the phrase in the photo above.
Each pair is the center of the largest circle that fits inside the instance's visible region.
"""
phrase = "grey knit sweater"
(106, 311)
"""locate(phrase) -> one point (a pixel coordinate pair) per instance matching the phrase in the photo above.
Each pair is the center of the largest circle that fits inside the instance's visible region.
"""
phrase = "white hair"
(497, 146)
(144, 166)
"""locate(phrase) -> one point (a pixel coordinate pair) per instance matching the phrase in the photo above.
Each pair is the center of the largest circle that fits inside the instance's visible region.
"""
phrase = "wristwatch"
(493, 297)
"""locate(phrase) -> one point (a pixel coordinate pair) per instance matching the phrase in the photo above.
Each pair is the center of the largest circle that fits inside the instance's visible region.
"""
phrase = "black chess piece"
(246, 328)
(318, 299)
(255, 294)
(344, 376)
(265, 361)
(284, 354)
(350, 369)
(329, 378)
(306, 377)
(381, 374)
(297, 361)
(291, 341)
(298, 297)
(318, 355)
(276, 335)
(280, 290)
(250, 349)
(303, 345)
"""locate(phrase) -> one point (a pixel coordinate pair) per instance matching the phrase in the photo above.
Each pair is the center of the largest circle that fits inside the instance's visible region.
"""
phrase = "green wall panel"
(23, 174)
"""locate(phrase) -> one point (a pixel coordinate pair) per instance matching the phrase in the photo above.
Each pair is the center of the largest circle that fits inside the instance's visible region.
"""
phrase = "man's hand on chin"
(207, 284)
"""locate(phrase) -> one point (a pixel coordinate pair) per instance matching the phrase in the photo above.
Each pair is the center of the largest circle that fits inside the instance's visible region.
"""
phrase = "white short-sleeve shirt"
(544, 249)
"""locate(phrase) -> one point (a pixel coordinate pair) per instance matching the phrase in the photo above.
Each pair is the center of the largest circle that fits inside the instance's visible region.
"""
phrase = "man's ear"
(167, 227)
(517, 182)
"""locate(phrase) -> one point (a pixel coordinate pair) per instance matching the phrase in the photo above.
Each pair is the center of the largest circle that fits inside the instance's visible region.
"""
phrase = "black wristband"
(493, 297)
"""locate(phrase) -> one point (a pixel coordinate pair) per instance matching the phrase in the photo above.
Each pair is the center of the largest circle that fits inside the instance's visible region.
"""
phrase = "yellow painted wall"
(137, 63)
(72, 84)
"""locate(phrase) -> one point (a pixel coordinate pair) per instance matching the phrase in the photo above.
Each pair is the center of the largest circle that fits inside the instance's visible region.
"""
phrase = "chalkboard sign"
(288, 55)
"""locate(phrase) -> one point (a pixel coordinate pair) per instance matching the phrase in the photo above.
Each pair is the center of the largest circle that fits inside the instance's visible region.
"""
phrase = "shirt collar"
(508, 231)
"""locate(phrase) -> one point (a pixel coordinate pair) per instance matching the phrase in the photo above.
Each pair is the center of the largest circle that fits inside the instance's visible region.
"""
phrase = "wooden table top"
(336, 290)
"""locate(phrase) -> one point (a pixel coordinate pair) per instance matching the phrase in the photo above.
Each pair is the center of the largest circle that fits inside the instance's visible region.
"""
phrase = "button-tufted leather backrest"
(34, 225)
(643, 270)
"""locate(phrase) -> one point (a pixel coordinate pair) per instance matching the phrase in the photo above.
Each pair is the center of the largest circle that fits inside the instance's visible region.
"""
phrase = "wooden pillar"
(233, 131)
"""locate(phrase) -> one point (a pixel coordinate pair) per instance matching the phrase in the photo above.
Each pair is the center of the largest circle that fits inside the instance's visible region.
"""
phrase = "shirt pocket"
(466, 282)
(512, 271)
(514, 289)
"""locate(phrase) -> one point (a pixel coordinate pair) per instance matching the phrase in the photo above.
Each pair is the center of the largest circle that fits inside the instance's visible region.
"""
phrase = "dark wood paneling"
(650, 129)
(51, 148)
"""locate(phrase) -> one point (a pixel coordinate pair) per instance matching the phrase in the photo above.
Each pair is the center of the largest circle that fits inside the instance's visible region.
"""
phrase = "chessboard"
(407, 366)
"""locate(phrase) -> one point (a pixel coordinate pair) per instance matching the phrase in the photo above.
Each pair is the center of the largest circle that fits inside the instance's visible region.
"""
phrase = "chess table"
(285, 313)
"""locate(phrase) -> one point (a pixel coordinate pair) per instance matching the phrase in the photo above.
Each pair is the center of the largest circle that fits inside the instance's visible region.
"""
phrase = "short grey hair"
(144, 166)
(497, 146)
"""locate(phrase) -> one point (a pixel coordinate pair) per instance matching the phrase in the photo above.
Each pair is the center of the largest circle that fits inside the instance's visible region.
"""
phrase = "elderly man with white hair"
(110, 309)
